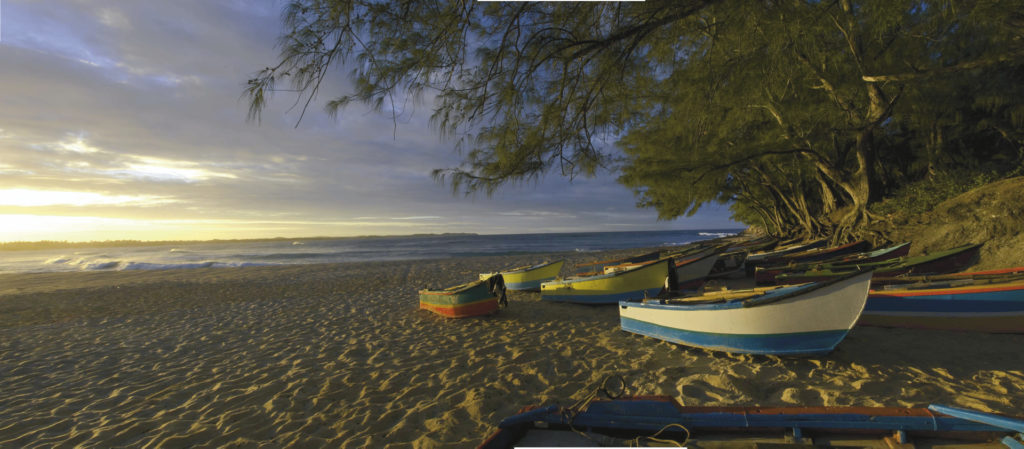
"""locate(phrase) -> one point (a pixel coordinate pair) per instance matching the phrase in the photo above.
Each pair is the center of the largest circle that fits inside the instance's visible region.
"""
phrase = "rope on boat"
(569, 414)
(635, 442)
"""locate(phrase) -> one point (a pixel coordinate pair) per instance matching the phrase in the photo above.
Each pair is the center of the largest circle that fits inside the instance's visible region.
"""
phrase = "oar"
(1002, 422)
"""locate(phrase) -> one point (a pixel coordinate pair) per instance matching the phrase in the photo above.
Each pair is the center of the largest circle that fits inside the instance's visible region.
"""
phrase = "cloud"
(168, 170)
(423, 217)
(36, 198)
(140, 103)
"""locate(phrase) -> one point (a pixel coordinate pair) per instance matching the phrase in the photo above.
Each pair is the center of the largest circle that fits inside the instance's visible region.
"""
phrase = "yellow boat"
(645, 281)
(529, 277)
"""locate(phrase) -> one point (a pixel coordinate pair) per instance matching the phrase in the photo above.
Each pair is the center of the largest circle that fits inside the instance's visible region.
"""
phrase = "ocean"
(329, 250)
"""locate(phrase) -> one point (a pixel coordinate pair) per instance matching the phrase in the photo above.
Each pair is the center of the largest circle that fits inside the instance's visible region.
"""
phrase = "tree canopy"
(800, 114)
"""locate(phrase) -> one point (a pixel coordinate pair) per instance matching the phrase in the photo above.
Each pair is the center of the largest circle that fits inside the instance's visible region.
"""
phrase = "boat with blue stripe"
(983, 305)
(795, 320)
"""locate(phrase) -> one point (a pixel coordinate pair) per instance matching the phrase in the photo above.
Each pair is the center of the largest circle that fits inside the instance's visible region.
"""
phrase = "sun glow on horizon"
(29, 228)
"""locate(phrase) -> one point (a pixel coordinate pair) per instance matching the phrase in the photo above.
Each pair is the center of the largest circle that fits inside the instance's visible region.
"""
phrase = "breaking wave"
(87, 264)
(716, 234)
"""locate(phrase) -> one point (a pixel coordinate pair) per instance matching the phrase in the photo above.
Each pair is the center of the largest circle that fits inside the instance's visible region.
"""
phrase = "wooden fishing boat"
(754, 245)
(766, 274)
(592, 268)
(756, 259)
(476, 298)
(691, 272)
(644, 281)
(661, 421)
(940, 262)
(794, 320)
(818, 254)
(729, 264)
(983, 305)
(529, 277)
(1001, 273)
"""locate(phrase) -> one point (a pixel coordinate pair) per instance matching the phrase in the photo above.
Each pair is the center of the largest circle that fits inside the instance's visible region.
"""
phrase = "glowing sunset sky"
(125, 120)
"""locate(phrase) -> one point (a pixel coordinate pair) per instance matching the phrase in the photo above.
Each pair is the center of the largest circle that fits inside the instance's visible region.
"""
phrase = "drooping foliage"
(800, 114)
(522, 87)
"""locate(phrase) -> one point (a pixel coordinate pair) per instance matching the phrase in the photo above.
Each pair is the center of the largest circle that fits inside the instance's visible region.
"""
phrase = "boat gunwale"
(763, 298)
(462, 288)
(528, 268)
(960, 290)
(885, 265)
(560, 282)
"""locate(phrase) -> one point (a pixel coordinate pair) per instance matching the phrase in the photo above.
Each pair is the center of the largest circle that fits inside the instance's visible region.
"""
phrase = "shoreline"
(40, 245)
(331, 355)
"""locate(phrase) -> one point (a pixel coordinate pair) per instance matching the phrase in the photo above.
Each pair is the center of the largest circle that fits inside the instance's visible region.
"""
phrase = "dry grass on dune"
(339, 355)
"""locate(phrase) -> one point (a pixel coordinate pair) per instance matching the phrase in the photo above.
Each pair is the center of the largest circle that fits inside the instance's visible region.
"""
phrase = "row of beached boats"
(806, 300)
(820, 293)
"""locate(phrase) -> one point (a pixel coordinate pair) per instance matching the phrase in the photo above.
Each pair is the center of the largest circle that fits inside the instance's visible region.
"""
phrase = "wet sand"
(340, 355)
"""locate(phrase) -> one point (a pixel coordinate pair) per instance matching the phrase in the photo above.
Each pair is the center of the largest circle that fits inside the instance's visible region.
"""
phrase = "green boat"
(948, 261)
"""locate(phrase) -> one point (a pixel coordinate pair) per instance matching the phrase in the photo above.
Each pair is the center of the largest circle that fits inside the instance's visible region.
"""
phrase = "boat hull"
(758, 259)
(691, 274)
(801, 324)
(766, 275)
(941, 263)
(621, 421)
(646, 281)
(599, 267)
(529, 278)
(988, 308)
(474, 300)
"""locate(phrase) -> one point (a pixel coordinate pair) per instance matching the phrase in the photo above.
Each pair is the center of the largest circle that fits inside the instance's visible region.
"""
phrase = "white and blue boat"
(794, 320)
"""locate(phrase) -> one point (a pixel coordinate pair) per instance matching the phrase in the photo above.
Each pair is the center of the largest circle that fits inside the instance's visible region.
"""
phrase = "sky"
(126, 120)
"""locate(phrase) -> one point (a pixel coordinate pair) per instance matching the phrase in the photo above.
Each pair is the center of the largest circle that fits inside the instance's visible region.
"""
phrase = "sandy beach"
(340, 355)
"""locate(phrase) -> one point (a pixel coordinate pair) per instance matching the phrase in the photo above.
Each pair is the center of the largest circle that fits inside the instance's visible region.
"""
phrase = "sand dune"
(340, 356)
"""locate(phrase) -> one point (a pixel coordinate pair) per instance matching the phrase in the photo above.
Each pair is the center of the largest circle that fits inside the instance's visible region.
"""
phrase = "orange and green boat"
(482, 297)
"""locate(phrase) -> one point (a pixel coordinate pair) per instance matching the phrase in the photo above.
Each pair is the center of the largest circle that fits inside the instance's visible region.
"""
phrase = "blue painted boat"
(797, 320)
(661, 420)
(981, 305)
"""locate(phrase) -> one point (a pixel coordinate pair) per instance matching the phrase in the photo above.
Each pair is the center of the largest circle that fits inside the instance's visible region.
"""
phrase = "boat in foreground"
(983, 305)
(645, 281)
(661, 421)
(529, 277)
(794, 320)
(482, 297)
